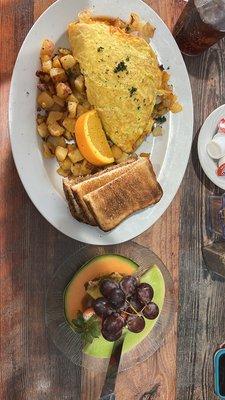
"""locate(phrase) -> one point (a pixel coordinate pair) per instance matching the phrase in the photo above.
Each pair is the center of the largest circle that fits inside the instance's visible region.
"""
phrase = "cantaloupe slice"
(105, 265)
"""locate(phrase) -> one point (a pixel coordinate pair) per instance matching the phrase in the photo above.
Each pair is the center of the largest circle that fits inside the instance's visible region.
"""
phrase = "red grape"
(117, 298)
(102, 307)
(106, 286)
(111, 337)
(128, 285)
(135, 303)
(113, 323)
(145, 293)
(135, 323)
(151, 311)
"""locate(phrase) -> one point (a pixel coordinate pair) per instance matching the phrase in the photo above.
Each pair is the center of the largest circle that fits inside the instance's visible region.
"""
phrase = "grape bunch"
(124, 304)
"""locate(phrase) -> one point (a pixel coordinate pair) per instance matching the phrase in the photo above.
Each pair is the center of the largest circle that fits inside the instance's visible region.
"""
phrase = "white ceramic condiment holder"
(216, 147)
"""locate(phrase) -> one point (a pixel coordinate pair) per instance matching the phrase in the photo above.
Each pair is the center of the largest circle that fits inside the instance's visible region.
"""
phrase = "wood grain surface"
(31, 250)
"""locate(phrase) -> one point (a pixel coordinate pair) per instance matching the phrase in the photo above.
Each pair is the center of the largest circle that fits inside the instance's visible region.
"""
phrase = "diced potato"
(63, 90)
(71, 147)
(51, 88)
(43, 130)
(68, 61)
(43, 77)
(117, 152)
(69, 124)
(58, 101)
(45, 100)
(75, 169)
(46, 66)
(47, 48)
(72, 98)
(81, 97)
(68, 135)
(46, 151)
(58, 75)
(86, 168)
(157, 131)
(72, 108)
(63, 51)
(176, 107)
(55, 129)
(43, 87)
(147, 31)
(124, 157)
(79, 84)
(40, 119)
(65, 114)
(54, 116)
(66, 164)
(51, 147)
(147, 155)
(61, 153)
(62, 172)
(56, 62)
(56, 107)
(45, 57)
(75, 156)
(57, 141)
(80, 110)
(135, 22)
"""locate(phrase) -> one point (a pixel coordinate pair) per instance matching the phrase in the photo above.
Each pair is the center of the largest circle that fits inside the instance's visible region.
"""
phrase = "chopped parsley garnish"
(138, 108)
(100, 49)
(160, 120)
(132, 90)
(121, 66)
(128, 59)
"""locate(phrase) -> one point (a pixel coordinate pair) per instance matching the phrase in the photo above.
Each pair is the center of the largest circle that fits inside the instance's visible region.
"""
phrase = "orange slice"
(91, 139)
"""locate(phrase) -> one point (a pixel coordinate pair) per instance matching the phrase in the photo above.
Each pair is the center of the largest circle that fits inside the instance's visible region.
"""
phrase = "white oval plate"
(169, 153)
(208, 130)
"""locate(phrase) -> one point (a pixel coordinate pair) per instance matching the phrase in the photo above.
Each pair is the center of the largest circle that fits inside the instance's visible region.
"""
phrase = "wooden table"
(31, 249)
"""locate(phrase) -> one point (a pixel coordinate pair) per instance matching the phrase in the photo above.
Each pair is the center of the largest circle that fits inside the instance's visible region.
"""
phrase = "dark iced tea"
(193, 34)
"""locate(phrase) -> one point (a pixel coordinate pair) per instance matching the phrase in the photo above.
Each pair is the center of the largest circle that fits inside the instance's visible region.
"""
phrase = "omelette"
(123, 78)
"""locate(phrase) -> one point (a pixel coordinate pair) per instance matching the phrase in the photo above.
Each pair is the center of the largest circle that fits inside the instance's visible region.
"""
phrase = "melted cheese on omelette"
(122, 78)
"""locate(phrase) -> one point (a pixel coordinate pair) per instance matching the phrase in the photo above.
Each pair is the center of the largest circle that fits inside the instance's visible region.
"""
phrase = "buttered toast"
(96, 181)
(108, 197)
(132, 191)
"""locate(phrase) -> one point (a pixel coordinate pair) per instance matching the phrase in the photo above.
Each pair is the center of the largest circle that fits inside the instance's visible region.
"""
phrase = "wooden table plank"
(201, 319)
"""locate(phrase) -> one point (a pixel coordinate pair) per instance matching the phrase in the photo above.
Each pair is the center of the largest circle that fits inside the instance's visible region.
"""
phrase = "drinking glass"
(201, 24)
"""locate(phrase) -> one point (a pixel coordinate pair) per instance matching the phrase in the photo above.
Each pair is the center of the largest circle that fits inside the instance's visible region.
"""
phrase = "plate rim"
(98, 237)
(211, 175)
